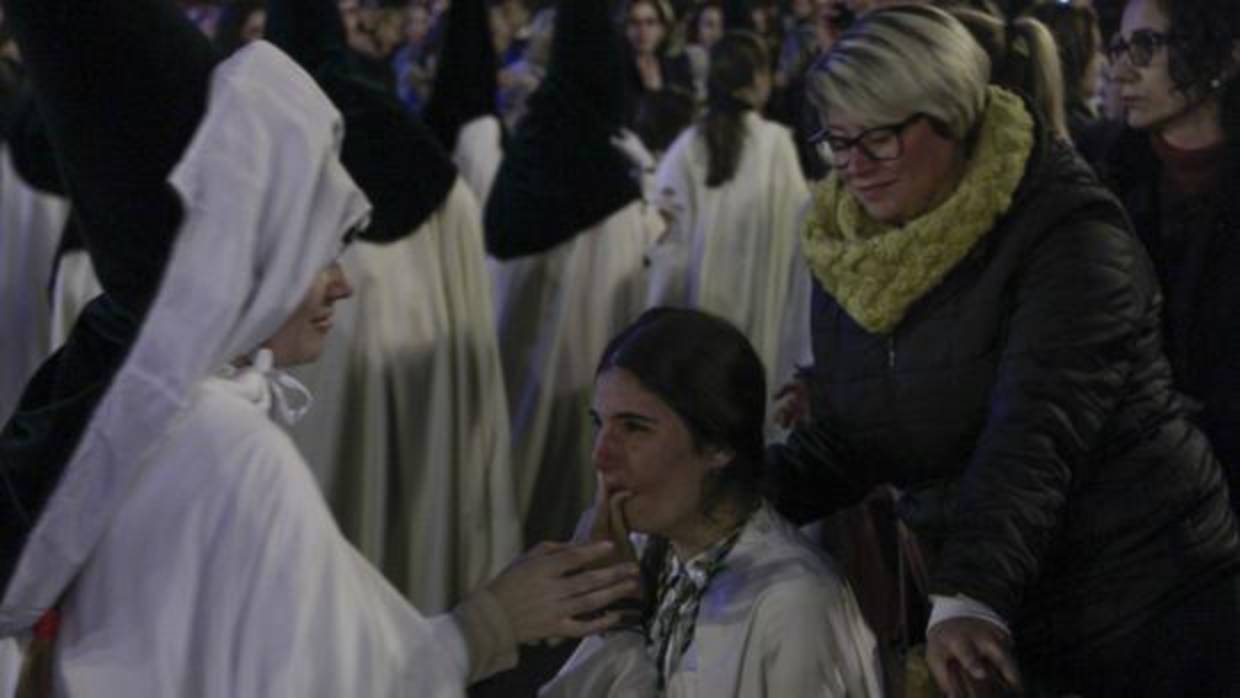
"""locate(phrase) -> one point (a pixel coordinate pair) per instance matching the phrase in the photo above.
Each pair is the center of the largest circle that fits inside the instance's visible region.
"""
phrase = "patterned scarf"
(680, 591)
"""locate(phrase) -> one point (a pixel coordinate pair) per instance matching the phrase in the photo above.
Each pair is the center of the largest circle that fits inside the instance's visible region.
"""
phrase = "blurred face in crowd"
(642, 447)
(897, 172)
(255, 26)
(1148, 95)
(417, 24)
(300, 339)
(644, 29)
(710, 26)
(1091, 82)
(351, 13)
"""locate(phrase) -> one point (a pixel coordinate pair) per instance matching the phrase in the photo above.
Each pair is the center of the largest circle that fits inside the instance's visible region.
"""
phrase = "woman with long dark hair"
(652, 67)
(732, 190)
(1177, 169)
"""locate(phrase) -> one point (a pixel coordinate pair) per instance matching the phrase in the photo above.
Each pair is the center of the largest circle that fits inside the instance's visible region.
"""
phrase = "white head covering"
(266, 206)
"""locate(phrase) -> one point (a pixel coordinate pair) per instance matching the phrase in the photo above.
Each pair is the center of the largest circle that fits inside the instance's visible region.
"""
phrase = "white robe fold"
(734, 250)
(31, 224)
(556, 312)
(76, 285)
(409, 434)
(777, 621)
(478, 153)
(224, 576)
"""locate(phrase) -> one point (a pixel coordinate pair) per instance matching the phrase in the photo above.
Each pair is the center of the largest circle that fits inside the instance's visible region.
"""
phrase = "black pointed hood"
(560, 173)
(29, 146)
(396, 160)
(261, 205)
(465, 75)
(120, 86)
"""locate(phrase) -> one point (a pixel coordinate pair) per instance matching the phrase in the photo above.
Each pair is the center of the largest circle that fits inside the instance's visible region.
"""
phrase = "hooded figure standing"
(412, 443)
(462, 110)
(148, 500)
(566, 218)
(734, 193)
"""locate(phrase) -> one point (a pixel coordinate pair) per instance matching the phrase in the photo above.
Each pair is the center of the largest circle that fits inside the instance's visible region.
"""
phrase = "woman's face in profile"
(1147, 93)
(300, 339)
(643, 448)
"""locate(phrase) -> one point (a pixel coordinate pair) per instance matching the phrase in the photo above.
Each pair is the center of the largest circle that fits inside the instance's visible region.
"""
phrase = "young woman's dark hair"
(735, 63)
(709, 374)
(1203, 60)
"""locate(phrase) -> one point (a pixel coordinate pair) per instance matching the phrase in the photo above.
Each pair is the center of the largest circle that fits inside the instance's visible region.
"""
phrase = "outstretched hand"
(557, 589)
(971, 657)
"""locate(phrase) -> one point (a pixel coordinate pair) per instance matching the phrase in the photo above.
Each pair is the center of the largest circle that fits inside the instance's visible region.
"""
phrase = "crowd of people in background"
(962, 304)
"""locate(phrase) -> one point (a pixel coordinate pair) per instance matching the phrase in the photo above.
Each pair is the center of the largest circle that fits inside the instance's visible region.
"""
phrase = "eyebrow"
(636, 416)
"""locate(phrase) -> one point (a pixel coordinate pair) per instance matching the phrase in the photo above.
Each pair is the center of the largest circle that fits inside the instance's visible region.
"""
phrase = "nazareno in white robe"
(185, 542)
(409, 435)
(31, 223)
(734, 250)
(777, 621)
(556, 311)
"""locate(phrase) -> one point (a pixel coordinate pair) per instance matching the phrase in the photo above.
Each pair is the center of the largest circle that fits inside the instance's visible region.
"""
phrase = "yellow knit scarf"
(877, 271)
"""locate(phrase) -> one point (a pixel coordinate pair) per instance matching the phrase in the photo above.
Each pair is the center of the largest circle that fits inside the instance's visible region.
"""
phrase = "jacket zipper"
(891, 350)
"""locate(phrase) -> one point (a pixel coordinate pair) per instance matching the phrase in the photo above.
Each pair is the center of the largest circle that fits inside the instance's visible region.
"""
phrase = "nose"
(859, 163)
(1120, 68)
(606, 450)
(338, 287)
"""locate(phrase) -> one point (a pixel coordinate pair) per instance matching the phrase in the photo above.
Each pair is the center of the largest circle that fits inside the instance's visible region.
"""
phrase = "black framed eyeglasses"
(880, 143)
(1140, 46)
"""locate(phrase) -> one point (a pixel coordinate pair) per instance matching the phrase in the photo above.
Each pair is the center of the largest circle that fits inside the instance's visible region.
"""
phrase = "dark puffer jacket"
(1033, 377)
(1195, 245)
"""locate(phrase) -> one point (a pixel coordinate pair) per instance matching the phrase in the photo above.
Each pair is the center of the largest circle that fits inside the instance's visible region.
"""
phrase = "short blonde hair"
(901, 60)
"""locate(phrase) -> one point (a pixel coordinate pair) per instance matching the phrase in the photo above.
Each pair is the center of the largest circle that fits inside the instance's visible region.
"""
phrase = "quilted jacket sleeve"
(1079, 303)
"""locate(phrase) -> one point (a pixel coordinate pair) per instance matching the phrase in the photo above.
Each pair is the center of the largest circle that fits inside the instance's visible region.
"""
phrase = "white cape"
(31, 223)
(734, 250)
(409, 434)
(778, 620)
(557, 310)
(224, 576)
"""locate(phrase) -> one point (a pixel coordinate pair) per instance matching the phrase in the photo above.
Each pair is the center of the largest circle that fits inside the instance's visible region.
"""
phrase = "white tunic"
(409, 435)
(734, 250)
(224, 576)
(777, 621)
(30, 227)
(556, 311)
